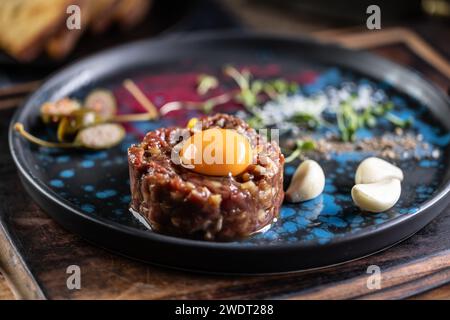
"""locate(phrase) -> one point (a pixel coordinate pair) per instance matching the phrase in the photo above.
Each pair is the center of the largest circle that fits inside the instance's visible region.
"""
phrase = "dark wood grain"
(382, 38)
(439, 293)
(10, 103)
(21, 88)
(40, 251)
(5, 291)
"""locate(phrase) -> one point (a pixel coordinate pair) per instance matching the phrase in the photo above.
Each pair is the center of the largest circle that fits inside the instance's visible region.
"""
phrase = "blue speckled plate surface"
(94, 186)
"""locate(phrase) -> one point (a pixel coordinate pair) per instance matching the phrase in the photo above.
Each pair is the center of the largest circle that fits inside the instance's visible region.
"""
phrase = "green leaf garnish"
(305, 119)
(206, 83)
(397, 121)
(301, 146)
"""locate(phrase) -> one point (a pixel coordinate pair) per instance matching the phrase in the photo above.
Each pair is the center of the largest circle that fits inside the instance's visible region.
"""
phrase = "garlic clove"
(378, 196)
(307, 183)
(375, 169)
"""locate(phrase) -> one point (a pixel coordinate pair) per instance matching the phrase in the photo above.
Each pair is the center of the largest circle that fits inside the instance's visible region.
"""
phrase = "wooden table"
(5, 291)
(35, 252)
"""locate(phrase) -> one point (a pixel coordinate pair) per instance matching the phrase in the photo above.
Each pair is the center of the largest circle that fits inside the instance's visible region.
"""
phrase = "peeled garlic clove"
(375, 169)
(378, 196)
(307, 183)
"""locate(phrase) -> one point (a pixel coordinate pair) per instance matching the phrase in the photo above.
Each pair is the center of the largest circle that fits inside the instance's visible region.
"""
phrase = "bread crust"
(103, 15)
(130, 13)
(27, 25)
(63, 42)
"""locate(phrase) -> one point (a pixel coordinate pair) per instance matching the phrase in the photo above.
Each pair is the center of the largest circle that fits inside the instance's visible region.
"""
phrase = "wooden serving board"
(35, 252)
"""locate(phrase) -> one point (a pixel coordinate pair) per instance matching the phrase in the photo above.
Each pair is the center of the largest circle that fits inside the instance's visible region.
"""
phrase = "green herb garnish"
(349, 120)
(251, 91)
(397, 121)
(255, 122)
(301, 146)
(279, 87)
(306, 120)
(248, 90)
(206, 83)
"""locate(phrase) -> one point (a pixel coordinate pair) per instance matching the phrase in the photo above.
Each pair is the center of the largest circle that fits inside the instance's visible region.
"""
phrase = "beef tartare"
(201, 204)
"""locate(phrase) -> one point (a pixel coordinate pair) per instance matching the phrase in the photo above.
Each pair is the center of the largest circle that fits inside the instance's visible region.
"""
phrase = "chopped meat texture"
(177, 201)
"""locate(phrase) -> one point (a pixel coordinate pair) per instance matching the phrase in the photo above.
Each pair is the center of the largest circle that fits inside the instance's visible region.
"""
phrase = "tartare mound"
(177, 201)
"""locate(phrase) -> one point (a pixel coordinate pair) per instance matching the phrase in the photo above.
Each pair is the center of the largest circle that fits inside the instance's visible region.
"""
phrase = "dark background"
(325, 19)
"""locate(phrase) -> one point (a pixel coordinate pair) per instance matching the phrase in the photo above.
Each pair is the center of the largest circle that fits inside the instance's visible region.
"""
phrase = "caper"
(52, 112)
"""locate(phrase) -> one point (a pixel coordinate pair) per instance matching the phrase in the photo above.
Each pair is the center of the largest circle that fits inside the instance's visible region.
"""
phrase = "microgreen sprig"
(206, 83)
(279, 87)
(251, 92)
(248, 89)
(300, 147)
(306, 120)
(397, 121)
(349, 120)
(205, 106)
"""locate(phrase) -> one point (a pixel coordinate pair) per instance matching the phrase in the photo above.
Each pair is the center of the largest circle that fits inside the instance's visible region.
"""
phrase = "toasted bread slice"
(102, 15)
(130, 13)
(62, 43)
(25, 25)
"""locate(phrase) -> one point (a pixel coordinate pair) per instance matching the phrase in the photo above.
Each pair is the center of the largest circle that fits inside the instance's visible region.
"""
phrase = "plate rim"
(442, 194)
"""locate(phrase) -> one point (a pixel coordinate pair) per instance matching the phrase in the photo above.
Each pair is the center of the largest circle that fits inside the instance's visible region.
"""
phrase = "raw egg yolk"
(217, 152)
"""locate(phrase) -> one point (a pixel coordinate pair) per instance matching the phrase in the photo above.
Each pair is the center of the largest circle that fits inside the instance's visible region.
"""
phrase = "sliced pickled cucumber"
(102, 102)
(97, 137)
(100, 136)
(69, 125)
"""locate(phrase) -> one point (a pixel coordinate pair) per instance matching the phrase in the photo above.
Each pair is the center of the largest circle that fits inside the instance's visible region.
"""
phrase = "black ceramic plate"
(88, 192)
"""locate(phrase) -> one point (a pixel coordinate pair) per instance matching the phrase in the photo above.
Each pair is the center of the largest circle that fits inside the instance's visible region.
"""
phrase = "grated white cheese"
(278, 111)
